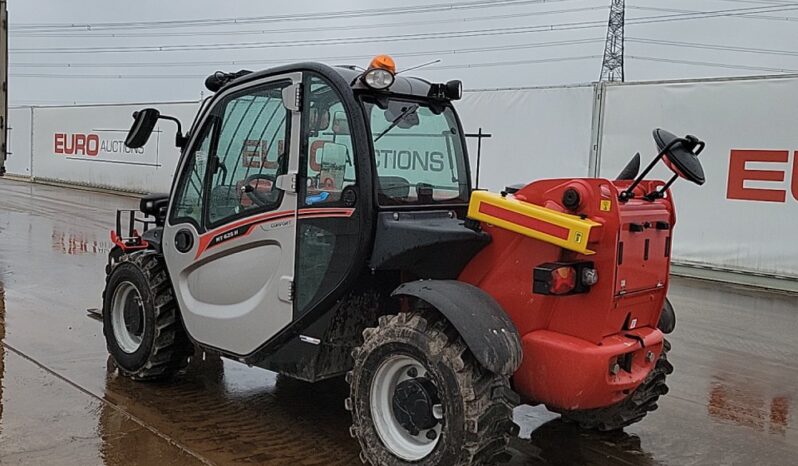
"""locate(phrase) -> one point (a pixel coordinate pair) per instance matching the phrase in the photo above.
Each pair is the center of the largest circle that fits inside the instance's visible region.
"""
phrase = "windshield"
(418, 152)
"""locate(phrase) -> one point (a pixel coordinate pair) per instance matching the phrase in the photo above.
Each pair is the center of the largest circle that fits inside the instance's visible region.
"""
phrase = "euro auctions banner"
(85, 145)
(535, 133)
(745, 218)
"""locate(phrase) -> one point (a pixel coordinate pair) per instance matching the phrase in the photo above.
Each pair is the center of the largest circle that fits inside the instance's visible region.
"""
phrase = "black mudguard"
(667, 320)
(486, 329)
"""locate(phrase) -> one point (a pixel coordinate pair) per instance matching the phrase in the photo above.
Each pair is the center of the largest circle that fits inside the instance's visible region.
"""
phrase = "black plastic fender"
(486, 329)
(667, 320)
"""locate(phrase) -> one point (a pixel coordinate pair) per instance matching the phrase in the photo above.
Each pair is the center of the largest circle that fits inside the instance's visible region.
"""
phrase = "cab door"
(229, 241)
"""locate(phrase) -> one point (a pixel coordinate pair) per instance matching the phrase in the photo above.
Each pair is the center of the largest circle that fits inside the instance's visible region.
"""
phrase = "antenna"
(419, 66)
(612, 65)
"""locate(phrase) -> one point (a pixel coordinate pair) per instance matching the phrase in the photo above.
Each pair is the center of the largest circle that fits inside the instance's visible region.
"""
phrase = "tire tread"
(489, 400)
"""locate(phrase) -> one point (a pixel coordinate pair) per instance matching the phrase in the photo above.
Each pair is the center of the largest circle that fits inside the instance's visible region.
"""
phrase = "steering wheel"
(258, 197)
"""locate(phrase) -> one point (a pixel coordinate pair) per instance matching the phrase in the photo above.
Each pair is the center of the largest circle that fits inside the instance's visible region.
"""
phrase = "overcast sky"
(486, 44)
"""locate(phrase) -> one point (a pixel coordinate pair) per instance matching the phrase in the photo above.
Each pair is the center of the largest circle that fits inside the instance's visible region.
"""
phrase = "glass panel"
(326, 245)
(330, 158)
(250, 153)
(418, 152)
(188, 203)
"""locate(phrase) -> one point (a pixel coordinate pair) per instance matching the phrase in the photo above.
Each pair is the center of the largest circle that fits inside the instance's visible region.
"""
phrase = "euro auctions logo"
(90, 145)
(77, 144)
(742, 171)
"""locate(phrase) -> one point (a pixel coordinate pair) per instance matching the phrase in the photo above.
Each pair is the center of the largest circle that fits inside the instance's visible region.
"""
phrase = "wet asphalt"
(733, 394)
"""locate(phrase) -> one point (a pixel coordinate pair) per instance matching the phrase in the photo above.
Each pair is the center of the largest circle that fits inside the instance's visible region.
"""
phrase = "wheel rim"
(127, 317)
(395, 435)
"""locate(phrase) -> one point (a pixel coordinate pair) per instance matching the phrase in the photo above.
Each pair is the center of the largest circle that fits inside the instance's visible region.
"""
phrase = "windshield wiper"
(408, 111)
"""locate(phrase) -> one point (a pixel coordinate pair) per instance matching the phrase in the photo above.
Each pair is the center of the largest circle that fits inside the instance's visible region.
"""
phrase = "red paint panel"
(524, 221)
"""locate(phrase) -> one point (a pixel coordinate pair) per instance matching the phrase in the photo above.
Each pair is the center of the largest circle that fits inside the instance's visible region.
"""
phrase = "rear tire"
(634, 408)
(141, 322)
(471, 408)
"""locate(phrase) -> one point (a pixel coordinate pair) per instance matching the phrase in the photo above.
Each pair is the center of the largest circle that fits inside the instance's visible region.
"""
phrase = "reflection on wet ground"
(77, 243)
(731, 399)
(748, 408)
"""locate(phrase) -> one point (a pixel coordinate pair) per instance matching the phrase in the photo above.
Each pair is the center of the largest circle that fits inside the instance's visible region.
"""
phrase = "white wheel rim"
(396, 438)
(127, 300)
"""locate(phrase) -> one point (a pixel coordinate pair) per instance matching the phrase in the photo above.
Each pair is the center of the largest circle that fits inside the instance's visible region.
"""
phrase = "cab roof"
(403, 85)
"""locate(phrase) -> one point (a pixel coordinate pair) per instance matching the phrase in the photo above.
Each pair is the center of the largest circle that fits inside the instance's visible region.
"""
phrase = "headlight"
(378, 78)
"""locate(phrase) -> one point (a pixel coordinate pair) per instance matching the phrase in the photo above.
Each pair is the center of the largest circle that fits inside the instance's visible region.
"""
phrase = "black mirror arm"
(695, 146)
(691, 143)
(180, 139)
(629, 192)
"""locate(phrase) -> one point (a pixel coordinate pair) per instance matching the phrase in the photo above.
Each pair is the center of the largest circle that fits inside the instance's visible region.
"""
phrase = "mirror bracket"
(689, 142)
(144, 124)
(180, 139)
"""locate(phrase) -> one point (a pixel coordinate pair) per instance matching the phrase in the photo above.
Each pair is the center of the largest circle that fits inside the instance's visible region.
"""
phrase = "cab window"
(418, 152)
(330, 166)
(189, 194)
(250, 154)
(327, 245)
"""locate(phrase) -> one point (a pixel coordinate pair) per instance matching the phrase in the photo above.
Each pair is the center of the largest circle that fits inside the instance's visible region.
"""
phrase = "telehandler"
(322, 223)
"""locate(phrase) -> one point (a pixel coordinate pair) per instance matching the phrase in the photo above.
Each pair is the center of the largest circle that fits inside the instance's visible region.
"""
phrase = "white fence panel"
(85, 145)
(19, 151)
(745, 217)
(537, 133)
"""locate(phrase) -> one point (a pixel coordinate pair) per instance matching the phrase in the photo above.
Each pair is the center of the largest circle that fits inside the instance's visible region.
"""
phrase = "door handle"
(184, 241)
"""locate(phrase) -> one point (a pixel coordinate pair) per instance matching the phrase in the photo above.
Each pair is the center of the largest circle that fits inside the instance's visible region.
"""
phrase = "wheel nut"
(650, 356)
(432, 435)
(412, 372)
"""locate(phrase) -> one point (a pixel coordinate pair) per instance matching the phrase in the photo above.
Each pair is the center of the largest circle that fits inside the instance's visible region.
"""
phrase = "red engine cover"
(632, 249)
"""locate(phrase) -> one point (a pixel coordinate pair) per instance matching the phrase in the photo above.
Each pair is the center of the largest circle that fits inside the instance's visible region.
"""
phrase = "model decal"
(244, 227)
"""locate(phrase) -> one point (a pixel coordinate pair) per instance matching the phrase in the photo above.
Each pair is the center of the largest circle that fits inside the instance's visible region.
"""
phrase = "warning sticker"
(606, 205)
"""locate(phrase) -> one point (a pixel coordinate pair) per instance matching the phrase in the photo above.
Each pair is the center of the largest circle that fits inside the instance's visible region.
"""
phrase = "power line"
(746, 16)
(315, 29)
(712, 64)
(763, 2)
(398, 38)
(696, 45)
(336, 59)
(196, 76)
(439, 7)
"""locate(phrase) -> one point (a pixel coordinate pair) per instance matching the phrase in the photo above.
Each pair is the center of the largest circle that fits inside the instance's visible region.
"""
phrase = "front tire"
(418, 397)
(141, 322)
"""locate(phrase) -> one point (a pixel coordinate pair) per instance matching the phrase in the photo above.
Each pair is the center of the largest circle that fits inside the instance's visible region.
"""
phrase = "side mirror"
(143, 125)
(681, 155)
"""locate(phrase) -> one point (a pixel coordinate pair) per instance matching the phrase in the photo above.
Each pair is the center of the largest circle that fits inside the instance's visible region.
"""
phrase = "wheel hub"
(134, 323)
(413, 402)
(405, 408)
(127, 317)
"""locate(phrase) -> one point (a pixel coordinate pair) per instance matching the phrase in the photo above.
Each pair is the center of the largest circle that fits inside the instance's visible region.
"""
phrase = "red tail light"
(563, 280)
(558, 278)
